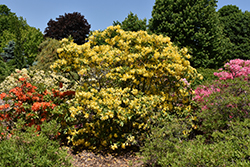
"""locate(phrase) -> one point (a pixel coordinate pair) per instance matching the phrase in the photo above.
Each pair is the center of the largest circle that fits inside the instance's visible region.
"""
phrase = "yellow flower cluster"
(127, 78)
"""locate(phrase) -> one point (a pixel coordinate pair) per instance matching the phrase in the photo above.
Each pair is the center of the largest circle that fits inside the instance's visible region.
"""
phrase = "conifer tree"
(193, 24)
(8, 53)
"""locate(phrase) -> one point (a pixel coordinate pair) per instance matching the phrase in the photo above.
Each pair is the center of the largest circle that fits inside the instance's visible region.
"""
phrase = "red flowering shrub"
(32, 104)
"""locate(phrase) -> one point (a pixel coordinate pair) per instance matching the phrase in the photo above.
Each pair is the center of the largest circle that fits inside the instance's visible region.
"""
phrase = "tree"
(73, 24)
(237, 29)
(20, 57)
(132, 23)
(193, 24)
(4, 10)
(31, 38)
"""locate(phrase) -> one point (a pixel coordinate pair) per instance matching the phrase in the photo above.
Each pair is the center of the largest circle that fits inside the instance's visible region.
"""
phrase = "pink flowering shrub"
(226, 99)
(235, 68)
(230, 103)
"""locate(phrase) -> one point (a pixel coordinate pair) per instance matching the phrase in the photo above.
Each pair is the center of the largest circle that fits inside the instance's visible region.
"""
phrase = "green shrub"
(168, 146)
(47, 54)
(208, 76)
(5, 69)
(32, 149)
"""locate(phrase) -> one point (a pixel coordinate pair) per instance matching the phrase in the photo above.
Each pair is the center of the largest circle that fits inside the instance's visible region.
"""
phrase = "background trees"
(195, 25)
(237, 29)
(26, 38)
(73, 24)
(132, 23)
(18, 42)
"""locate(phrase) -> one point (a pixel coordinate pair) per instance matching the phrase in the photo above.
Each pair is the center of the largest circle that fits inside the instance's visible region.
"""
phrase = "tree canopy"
(132, 23)
(192, 24)
(237, 29)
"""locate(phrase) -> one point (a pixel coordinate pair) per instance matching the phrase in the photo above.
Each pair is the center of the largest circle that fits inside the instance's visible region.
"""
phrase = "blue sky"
(99, 13)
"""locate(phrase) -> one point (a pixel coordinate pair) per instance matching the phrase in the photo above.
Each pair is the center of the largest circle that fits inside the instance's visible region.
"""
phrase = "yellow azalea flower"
(123, 145)
(115, 135)
(59, 50)
(114, 146)
(86, 115)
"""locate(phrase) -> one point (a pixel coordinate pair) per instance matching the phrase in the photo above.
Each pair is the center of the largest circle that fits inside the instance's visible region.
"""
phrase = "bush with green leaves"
(27, 148)
(47, 54)
(208, 76)
(5, 69)
(169, 146)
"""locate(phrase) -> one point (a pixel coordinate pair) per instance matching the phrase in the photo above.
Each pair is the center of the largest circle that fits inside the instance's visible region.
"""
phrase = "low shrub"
(32, 148)
(5, 69)
(168, 145)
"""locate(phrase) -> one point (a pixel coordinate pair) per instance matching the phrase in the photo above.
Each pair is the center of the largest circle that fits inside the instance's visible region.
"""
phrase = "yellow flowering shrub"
(127, 80)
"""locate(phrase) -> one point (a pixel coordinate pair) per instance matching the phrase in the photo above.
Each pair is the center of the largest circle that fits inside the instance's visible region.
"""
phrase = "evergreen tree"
(132, 23)
(237, 29)
(8, 53)
(193, 24)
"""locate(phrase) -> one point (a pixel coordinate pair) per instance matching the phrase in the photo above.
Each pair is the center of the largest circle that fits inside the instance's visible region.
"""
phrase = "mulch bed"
(89, 158)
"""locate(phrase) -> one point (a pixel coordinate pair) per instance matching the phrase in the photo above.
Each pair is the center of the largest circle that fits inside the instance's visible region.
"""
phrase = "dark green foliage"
(168, 146)
(28, 149)
(8, 53)
(195, 25)
(4, 10)
(208, 76)
(47, 54)
(132, 23)
(237, 29)
(229, 104)
(5, 69)
(73, 24)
